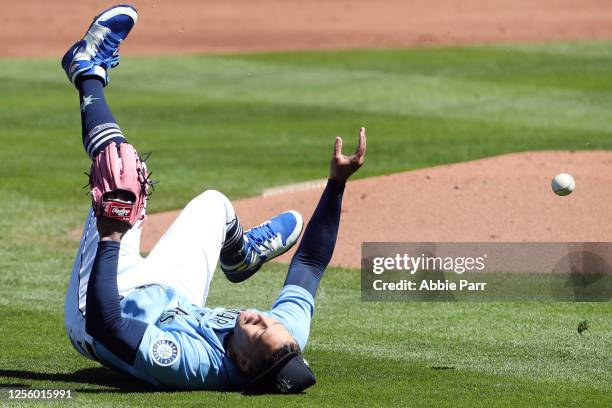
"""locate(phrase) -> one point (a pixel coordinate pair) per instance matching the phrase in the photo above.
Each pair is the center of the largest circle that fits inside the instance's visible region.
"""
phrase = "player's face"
(256, 337)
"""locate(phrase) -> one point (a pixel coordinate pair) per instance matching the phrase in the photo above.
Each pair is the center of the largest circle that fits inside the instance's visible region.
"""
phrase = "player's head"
(257, 338)
(263, 349)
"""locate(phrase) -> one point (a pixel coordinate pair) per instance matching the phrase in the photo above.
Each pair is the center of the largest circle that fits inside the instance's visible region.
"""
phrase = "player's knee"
(212, 196)
(212, 199)
(208, 199)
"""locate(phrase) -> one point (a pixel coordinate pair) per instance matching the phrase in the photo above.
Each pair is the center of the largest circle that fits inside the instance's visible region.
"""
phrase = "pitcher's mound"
(506, 199)
(501, 199)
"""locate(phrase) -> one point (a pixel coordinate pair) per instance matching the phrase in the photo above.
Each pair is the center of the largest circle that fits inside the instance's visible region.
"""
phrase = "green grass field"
(240, 123)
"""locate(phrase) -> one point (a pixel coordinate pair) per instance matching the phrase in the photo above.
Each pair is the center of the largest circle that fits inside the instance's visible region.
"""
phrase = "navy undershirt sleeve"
(317, 246)
(104, 321)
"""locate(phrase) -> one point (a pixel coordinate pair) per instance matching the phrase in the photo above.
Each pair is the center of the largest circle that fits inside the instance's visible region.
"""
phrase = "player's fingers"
(361, 145)
(338, 147)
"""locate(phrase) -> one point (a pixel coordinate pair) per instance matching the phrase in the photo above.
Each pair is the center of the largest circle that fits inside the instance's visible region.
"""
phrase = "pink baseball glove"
(119, 183)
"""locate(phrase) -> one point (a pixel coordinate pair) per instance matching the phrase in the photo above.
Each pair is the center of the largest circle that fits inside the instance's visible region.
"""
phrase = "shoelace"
(259, 235)
(107, 51)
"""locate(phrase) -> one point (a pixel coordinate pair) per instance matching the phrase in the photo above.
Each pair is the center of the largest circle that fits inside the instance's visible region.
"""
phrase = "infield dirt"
(192, 26)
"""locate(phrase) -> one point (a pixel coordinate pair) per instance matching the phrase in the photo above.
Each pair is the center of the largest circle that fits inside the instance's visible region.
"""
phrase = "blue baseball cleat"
(98, 51)
(265, 242)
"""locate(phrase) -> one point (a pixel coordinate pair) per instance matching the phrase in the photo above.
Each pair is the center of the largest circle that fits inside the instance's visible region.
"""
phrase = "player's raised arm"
(317, 246)
(341, 167)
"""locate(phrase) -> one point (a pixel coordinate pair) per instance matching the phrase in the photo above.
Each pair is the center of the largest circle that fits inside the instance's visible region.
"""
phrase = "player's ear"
(243, 363)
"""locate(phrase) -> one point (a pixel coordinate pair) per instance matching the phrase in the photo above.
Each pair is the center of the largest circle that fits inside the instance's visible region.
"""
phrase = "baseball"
(563, 184)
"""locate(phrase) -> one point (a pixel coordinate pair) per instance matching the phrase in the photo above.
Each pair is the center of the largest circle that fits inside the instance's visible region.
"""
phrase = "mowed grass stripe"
(515, 84)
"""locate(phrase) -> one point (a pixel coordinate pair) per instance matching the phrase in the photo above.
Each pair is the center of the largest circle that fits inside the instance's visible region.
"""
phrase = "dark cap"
(289, 375)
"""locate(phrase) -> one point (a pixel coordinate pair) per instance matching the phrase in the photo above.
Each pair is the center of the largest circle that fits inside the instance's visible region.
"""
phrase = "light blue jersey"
(183, 344)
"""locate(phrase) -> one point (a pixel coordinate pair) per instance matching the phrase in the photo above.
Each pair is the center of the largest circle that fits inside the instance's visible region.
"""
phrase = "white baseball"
(563, 184)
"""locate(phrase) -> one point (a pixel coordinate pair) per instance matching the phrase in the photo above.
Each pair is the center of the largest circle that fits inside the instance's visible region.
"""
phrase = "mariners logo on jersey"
(164, 351)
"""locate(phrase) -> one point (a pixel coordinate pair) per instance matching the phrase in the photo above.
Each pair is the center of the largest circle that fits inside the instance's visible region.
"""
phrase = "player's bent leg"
(186, 256)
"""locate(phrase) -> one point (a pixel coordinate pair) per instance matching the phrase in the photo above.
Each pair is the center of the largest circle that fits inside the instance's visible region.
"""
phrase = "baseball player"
(147, 316)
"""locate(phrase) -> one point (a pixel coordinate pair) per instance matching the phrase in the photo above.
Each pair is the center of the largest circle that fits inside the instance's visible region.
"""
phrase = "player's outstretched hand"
(342, 167)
